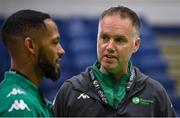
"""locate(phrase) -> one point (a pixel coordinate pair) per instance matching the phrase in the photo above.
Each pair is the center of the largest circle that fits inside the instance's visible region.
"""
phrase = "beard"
(49, 70)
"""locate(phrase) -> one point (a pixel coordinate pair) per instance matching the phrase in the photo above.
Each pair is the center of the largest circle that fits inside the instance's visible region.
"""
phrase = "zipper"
(115, 103)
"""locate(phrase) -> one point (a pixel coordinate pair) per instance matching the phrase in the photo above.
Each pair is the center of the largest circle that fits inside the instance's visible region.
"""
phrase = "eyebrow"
(120, 36)
(115, 36)
(104, 34)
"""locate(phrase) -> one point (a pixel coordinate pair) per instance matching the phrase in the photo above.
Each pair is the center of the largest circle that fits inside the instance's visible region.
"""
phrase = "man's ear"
(30, 45)
(136, 44)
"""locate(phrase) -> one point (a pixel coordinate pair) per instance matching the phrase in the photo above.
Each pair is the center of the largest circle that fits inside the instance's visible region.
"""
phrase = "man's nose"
(110, 45)
(61, 51)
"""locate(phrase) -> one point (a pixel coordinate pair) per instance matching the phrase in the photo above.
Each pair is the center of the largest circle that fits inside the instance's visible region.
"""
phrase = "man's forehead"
(115, 19)
(114, 22)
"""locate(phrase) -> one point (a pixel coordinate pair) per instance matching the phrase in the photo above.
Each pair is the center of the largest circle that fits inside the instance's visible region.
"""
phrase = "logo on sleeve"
(19, 105)
(15, 91)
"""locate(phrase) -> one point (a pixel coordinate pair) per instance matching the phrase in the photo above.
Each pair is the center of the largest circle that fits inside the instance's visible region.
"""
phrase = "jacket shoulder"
(148, 81)
(16, 102)
(79, 82)
(155, 85)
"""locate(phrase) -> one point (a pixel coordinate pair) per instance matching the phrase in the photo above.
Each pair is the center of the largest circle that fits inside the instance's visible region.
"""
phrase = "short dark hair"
(21, 23)
(124, 12)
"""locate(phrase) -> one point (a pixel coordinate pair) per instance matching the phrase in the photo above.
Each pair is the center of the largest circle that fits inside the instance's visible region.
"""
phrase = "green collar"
(114, 92)
(108, 78)
(12, 77)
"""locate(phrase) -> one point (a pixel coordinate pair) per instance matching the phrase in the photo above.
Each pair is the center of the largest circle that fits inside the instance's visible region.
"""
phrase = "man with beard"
(113, 86)
(32, 40)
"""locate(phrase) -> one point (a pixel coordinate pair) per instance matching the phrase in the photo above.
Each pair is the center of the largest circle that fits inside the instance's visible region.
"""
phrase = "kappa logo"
(19, 105)
(15, 91)
(84, 96)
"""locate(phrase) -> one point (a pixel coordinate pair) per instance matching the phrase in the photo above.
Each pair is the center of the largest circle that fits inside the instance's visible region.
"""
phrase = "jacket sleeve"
(167, 105)
(60, 102)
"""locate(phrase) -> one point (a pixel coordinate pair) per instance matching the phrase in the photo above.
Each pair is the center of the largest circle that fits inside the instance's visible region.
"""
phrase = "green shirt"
(114, 92)
(19, 97)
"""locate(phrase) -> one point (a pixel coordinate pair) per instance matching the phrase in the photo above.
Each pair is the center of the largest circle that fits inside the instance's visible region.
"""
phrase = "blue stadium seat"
(82, 60)
(82, 44)
(84, 52)
(77, 27)
(92, 24)
(148, 46)
(153, 63)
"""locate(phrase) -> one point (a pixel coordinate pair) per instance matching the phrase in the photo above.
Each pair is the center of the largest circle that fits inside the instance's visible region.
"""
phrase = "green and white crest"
(136, 100)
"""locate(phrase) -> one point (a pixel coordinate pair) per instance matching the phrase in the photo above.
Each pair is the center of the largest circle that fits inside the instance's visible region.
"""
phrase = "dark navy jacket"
(146, 97)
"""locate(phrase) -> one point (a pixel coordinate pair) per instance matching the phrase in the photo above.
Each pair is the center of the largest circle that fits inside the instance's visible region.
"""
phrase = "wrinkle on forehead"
(116, 21)
(116, 24)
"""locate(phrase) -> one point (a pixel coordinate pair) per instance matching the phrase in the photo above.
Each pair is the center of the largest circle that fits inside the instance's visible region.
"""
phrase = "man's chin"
(109, 66)
(57, 77)
(111, 69)
(54, 79)
(53, 76)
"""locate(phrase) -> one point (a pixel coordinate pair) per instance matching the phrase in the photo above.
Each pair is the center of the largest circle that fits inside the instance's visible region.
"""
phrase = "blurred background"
(158, 56)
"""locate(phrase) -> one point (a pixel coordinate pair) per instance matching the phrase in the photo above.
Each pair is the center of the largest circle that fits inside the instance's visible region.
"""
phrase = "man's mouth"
(110, 56)
(58, 62)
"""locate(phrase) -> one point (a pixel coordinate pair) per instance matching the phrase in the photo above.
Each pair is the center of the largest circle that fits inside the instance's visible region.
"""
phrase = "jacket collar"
(83, 84)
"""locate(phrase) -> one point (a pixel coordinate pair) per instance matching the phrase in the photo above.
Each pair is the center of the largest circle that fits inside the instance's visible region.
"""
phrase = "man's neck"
(117, 74)
(32, 74)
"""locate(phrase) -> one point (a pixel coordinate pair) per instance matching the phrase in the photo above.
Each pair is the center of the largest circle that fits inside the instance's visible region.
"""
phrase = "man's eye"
(120, 39)
(105, 38)
(55, 42)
